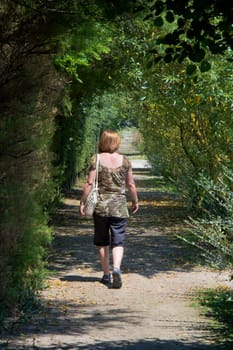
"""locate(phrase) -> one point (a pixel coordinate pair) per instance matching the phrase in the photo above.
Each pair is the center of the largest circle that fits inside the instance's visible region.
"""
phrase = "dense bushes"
(187, 124)
(27, 185)
(187, 129)
(52, 111)
(212, 233)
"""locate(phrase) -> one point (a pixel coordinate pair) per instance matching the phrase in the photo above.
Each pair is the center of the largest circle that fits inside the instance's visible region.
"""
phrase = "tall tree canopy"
(196, 29)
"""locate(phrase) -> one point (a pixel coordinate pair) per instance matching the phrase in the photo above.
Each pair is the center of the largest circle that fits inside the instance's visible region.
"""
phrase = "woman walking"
(111, 213)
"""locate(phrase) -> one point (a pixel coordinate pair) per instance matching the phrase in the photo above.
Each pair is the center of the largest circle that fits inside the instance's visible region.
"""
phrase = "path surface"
(153, 310)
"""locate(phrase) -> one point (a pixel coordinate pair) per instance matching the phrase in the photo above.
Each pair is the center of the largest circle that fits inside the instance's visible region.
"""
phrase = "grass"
(218, 305)
(137, 156)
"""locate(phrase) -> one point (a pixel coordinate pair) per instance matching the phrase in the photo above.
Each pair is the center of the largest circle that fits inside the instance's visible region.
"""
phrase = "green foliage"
(65, 141)
(187, 129)
(46, 142)
(86, 45)
(23, 256)
(27, 186)
(191, 29)
(106, 111)
(187, 125)
(107, 97)
(79, 59)
(218, 304)
(213, 232)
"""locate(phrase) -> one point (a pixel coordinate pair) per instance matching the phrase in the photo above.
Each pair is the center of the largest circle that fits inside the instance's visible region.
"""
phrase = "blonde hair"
(109, 141)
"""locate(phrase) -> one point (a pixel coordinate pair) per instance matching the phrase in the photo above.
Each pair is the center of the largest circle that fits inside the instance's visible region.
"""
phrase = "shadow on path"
(151, 245)
(150, 344)
(151, 248)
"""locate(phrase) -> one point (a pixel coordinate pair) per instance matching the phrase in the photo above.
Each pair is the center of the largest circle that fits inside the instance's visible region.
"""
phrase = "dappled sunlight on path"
(160, 275)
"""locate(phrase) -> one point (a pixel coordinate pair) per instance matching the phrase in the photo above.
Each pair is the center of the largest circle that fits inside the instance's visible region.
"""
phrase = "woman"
(111, 213)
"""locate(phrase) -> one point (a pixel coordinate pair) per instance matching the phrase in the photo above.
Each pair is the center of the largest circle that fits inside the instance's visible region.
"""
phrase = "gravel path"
(153, 310)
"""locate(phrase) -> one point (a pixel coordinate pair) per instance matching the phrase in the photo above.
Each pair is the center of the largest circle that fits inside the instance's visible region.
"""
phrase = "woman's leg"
(101, 240)
(117, 256)
(104, 258)
(118, 227)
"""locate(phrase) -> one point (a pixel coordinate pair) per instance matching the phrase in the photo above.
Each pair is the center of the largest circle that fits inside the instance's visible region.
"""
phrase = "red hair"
(109, 141)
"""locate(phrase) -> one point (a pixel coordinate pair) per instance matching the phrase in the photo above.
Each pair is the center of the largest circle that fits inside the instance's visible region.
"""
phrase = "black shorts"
(109, 231)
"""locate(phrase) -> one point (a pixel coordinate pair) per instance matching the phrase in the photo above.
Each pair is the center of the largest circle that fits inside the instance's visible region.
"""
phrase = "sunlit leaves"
(199, 28)
(187, 128)
(87, 44)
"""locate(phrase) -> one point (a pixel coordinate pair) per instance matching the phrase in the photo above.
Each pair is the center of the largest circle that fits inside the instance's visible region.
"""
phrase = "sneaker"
(106, 279)
(117, 282)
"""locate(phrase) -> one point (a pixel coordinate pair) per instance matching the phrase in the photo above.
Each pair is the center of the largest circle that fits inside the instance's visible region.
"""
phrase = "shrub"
(213, 232)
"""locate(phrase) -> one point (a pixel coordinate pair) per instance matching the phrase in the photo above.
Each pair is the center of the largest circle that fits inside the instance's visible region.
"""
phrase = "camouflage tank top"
(112, 189)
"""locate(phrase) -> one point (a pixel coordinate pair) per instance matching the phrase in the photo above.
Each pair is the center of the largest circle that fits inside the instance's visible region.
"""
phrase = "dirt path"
(153, 310)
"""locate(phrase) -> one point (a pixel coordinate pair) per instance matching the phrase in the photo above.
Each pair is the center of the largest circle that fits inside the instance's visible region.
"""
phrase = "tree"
(187, 125)
(35, 37)
(196, 28)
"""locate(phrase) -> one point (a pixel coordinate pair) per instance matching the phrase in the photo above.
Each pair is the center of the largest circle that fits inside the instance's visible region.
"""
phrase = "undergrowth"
(218, 305)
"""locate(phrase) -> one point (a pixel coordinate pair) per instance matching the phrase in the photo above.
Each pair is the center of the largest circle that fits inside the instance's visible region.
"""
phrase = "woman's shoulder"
(126, 162)
(93, 161)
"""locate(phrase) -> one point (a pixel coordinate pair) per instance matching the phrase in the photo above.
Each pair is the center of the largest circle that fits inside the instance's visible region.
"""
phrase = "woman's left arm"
(133, 191)
(87, 189)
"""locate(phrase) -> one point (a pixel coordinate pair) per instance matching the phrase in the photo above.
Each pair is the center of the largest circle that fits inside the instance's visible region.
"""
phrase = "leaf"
(170, 17)
(205, 66)
(191, 69)
(197, 54)
(168, 58)
(158, 21)
(158, 7)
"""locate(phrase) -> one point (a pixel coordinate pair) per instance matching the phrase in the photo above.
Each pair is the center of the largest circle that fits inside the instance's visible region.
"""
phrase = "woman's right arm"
(133, 191)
